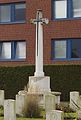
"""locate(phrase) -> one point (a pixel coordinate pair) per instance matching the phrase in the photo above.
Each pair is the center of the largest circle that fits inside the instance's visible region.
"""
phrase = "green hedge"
(64, 78)
(13, 79)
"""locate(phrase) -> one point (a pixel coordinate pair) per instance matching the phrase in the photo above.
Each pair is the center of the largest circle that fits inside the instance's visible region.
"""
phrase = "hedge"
(64, 78)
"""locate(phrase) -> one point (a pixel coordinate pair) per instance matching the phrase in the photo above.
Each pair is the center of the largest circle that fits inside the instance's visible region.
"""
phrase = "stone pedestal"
(39, 84)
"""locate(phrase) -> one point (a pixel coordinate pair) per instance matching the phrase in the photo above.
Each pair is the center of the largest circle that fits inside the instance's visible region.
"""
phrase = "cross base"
(39, 74)
(39, 84)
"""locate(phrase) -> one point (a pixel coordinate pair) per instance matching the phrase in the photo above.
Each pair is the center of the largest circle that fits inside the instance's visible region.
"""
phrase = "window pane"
(21, 50)
(6, 50)
(77, 8)
(60, 49)
(76, 49)
(60, 9)
(5, 13)
(20, 12)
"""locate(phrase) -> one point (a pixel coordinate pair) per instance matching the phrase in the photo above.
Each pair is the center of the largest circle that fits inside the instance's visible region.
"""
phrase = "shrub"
(64, 108)
(31, 107)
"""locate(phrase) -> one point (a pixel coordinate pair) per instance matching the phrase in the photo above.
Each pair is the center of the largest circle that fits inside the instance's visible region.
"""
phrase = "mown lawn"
(29, 119)
(1, 118)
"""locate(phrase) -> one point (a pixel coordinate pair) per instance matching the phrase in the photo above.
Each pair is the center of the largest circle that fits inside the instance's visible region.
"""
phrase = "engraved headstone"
(79, 108)
(50, 102)
(20, 101)
(74, 97)
(9, 110)
(55, 115)
(57, 97)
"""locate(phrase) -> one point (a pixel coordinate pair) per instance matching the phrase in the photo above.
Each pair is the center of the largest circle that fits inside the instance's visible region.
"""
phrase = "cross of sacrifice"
(39, 21)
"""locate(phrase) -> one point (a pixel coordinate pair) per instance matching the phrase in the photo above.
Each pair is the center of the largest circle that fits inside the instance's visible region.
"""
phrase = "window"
(66, 49)
(14, 50)
(61, 9)
(66, 9)
(60, 49)
(5, 13)
(6, 50)
(77, 8)
(20, 50)
(12, 12)
(76, 49)
(20, 12)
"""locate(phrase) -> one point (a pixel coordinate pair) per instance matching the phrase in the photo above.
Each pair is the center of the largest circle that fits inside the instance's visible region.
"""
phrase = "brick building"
(62, 36)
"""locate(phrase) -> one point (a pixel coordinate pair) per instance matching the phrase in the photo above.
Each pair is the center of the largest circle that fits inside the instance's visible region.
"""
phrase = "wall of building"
(25, 31)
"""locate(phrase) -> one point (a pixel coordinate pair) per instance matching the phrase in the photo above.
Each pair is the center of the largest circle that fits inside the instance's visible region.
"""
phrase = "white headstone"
(2, 97)
(20, 101)
(55, 115)
(22, 92)
(74, 97)
(79, 108)
(50, 102)
(9, 110)
(79, 114)
(57, 97)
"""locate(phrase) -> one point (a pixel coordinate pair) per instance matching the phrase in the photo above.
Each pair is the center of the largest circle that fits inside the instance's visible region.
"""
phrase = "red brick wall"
(26, 31)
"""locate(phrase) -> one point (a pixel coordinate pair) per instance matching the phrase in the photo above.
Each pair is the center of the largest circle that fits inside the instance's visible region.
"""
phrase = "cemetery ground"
(69, 114)
(1, 118)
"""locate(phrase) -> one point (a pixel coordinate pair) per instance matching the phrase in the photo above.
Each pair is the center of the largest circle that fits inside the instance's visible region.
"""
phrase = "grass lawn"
(29, 119)
(42, 113)
(1, 118)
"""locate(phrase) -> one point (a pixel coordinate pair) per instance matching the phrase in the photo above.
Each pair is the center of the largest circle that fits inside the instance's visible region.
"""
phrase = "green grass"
(30, 119)
(42, 113)
(1, 118)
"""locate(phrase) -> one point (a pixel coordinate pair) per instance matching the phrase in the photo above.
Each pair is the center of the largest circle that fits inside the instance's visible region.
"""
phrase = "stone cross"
(39, 21)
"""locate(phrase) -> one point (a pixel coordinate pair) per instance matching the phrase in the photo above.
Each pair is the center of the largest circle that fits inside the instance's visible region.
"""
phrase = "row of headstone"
(15, 107)
(50, 108)
(50, 105)
(53, 114)
(12, 107)
(53, 97)
(9, 107)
